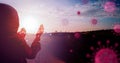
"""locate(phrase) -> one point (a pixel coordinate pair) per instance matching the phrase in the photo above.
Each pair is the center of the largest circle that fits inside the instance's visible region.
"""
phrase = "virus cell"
(110, 7)
(77, 35)
(65, 22)
(50, 34)
(88, 55)
(116, 28)
(70, 50)
(94, 21)
(78, 12)
(104, 54)
(93, 36)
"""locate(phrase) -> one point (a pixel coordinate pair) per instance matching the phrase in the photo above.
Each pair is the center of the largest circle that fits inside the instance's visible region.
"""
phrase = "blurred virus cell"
(94, 21)
(84, 1)
(71, 50)
(77, 35)
(109, 7)
(104, 54)
(116, 28)
(65, 22)
(78, 12)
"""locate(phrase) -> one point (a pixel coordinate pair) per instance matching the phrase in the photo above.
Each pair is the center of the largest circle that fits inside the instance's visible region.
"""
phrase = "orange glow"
(30, 23)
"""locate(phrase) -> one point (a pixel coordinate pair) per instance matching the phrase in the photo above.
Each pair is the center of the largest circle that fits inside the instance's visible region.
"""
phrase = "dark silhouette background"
(13, 47)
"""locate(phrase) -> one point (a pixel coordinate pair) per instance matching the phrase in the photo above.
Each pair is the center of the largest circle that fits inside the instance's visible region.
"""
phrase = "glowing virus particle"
(94, 21)
(104, 54)
(70, 50)
(50, 34)
(77, 35)
(65, 22)
(91, 48)
(93, 36)
(84, 1)
(78, 12)
(110, 7)
(88, 55)
(116, 28)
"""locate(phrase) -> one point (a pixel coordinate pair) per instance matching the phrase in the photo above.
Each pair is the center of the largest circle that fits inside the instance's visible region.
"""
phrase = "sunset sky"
(65, 15)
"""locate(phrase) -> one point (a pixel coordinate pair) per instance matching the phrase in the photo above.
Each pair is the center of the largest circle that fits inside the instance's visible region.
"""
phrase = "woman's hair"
(9, 21)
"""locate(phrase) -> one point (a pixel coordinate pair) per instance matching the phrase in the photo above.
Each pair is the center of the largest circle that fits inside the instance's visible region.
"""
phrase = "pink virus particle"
(70, 50)
(106, 55)
(87, 55)
(78, 12)
(92, 48)
(50, 34)
(108, 41)
(93, 36)
(85, 1)
(111, 47)
(65, 22)
(116, 28)
(77, 35)
(99, 43)
(110, 6)
(94, 21)
(116, 44)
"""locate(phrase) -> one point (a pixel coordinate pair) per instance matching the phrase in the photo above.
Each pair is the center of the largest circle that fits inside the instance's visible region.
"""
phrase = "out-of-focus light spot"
(110, 7)
(116, 44)
(92, 48)
(65, 22)
(94, 21)
(106, 56)
(26, 40)
(77, 35)
(70, 50)
(87, 55)
(50, 34)
(78, 12)
(107, 41)
(116, 28)
(99, 42)
(93, 36)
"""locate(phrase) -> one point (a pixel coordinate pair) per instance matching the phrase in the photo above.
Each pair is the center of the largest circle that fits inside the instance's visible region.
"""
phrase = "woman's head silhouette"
(9, 21)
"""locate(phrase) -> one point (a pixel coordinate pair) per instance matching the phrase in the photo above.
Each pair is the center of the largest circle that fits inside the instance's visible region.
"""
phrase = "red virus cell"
(116, 44)
(50, 34)
(110, 7)
(99, 43)
(93, 36)
(65, 22)
(88, 55)
(116, 28)
(94, 21)
(106, 56)
(92, 48)
(77, 35)
(70, 50)
(108, 41)
(78, 12)
(85, 1)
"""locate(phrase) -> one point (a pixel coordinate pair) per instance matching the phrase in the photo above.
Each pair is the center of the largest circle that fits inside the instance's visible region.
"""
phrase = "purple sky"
(62, 15)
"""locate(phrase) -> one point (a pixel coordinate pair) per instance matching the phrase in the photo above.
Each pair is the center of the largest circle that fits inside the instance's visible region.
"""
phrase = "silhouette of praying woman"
(13, 47)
